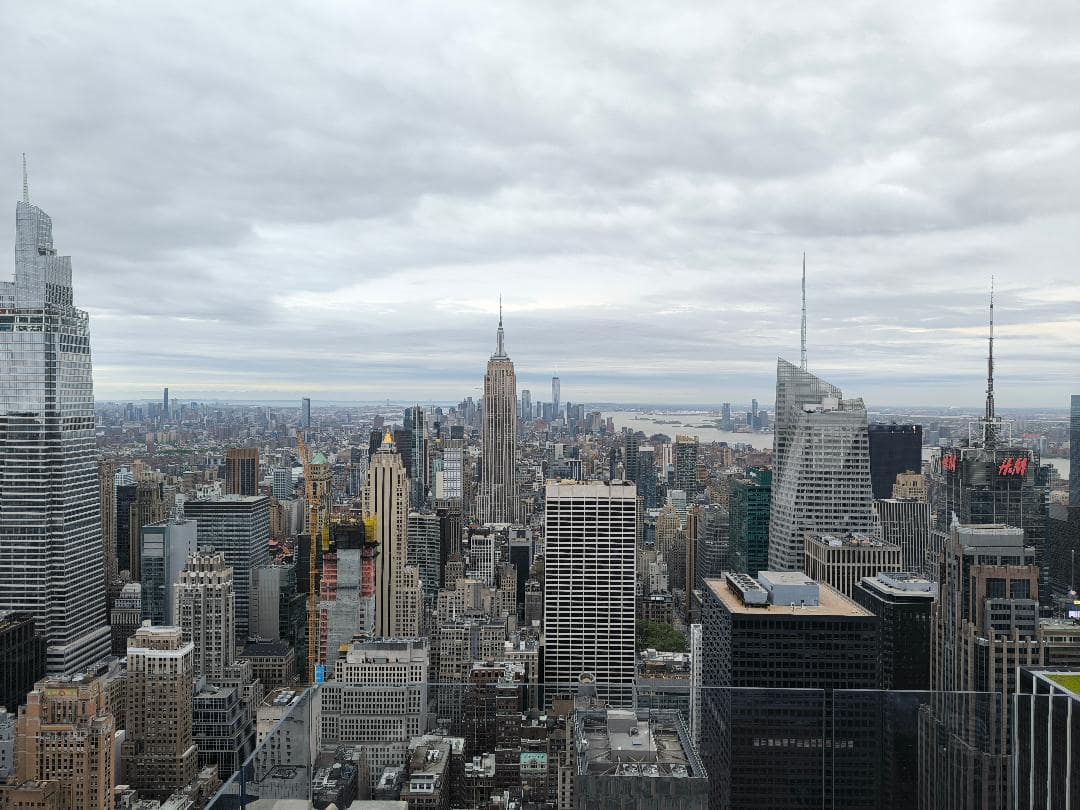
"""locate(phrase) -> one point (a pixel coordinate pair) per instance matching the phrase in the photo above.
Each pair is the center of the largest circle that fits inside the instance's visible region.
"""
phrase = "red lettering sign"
(948, 463)
(1013, 466)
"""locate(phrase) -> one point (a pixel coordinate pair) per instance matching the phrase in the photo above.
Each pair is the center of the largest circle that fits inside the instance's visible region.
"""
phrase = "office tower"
(205, 610)
(279, 606)
(1047, 743)
(158, 752)
(242, 471)
(305, 412)
(65, 735)
(907, 524)
(107, 499)
(725, 417)
(223, 728)
(165, 547)
(556, 397)
(125, 616)
(646, 475)
(521, 557)
(22, 651)
(894, 449)
(347, 587)
(984, 626)
(750, 504)
(282, 483)
(631, 445)
(685, 454)
(398, 593)
(589, 572)
(497, 497)
(239, 527)
(419, 476)
(378, 698)
(902, 602)
(840, 561)
(754, 639)
(51, 559)
(483, 554)
(795, 388)
(425, 547)
(137, 505)
(526, 404)
(1074, 452)
(165, 403)
(825, 484)
(713, 535)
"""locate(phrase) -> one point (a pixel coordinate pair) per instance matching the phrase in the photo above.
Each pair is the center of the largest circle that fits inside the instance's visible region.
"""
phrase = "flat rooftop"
(623, 742)
(831, 602)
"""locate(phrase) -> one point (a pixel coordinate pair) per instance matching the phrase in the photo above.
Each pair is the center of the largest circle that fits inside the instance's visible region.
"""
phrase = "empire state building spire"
(500, 336)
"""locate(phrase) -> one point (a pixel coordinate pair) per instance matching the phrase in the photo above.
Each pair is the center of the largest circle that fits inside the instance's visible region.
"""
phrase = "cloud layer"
(264, 202)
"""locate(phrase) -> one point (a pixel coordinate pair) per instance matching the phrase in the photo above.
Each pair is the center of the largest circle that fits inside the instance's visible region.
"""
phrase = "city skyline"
(644, 217)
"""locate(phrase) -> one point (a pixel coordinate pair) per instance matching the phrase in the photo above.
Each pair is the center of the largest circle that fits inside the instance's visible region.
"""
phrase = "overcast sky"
(264, 203)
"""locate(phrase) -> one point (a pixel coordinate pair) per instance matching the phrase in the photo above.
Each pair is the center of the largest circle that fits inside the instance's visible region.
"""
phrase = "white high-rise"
(205, 609)
(399, 598)
(589, 574)
(52, 560)
(825, 482)
(497, 498)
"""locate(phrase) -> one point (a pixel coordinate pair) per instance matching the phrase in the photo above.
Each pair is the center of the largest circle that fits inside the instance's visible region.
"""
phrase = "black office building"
(902, 603)
(894, 449)
(126, 497)
(777, 729)
(22, 658)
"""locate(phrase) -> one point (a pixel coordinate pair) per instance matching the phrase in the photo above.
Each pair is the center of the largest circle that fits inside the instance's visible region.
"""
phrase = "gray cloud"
(263, 201)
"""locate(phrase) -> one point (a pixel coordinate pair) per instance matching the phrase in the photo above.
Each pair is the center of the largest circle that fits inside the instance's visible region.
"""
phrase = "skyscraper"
(242, 471)
(497, 499)
(795, 387)
(107, 498)
(165, 402)
(239, 527)
(1074, 452)
(52, 563)
(205, 610)
(589, 575)
(159, 754)
(305, 412)
(65, 733)
(751, 498)
(415, 420)
(165, 549)
(894, 449)
(825, 483)
(556, 397)
(398, 594)
(685, 454)
(526, 404)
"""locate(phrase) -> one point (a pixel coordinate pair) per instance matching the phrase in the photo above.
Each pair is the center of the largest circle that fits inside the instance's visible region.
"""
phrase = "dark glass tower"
(894, 449)
(751, 500)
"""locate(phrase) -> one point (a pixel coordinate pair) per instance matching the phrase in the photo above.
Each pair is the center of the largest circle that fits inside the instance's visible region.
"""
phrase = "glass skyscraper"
(51, 554)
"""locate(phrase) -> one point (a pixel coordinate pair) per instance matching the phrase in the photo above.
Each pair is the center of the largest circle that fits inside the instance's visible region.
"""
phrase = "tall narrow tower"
(398, 593)
(556, 396)
(497, 500)
(52, 561)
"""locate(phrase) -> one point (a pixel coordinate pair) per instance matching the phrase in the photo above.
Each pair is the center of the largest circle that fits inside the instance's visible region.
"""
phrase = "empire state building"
(497, 499)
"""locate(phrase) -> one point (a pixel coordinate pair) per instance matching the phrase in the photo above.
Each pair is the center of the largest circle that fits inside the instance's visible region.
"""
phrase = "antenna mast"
(989, 438)
(25, 181)
(802, 342)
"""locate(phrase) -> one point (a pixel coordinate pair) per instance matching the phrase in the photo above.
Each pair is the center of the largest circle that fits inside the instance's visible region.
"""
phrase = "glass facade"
(52, 560)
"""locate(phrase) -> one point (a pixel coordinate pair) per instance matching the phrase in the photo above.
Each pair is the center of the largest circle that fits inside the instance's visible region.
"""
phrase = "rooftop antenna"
(25, 181)
(802, 353)
(989, 437)
(499, 351)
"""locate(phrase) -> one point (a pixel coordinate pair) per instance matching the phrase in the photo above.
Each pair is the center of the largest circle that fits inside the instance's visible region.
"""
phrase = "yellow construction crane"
(313, 567)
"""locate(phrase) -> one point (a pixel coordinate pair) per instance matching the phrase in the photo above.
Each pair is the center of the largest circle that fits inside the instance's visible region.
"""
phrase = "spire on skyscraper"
(802, 341)
(500, 351)
(25, 181)
(990, 418)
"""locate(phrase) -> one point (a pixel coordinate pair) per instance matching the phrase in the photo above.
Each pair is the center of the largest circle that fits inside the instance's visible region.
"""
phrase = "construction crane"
(313, 567)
